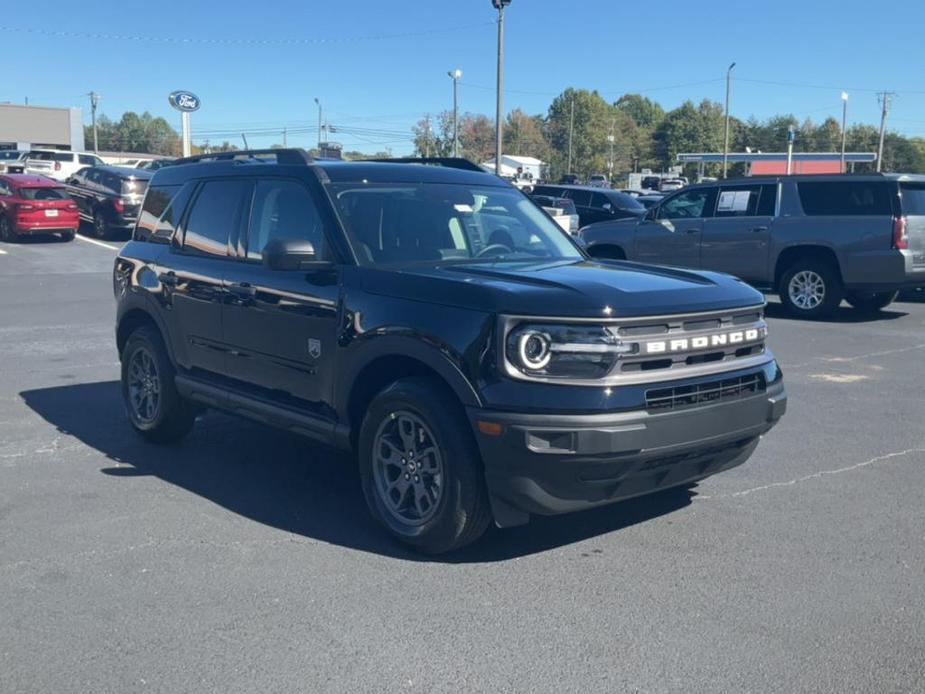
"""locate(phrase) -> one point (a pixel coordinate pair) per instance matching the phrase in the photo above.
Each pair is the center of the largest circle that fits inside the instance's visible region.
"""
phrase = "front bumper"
(550, 464)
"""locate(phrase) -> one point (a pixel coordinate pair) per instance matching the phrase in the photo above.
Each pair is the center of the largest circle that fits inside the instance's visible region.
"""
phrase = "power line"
(237, 41)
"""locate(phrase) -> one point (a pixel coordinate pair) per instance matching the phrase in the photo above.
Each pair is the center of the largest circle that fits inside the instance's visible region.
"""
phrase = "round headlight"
(533, 348)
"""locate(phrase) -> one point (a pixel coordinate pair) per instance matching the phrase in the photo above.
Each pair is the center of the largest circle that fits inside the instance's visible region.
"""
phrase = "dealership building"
(34, 127)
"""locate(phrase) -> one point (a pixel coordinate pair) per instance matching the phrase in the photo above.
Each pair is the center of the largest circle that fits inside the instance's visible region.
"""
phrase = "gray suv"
(813, 239)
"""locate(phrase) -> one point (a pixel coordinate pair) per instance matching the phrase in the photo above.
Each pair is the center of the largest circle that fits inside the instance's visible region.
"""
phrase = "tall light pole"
(571, 128)
(726, 129)
(844, 127)
(455, 75)
(319, 124)
(94, 100)
(499, 5)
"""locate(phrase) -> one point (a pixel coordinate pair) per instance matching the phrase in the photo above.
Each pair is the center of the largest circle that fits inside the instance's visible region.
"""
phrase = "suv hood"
(581, 289)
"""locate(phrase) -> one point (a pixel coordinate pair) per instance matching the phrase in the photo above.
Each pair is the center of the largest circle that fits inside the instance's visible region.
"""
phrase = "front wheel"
(420, 468)
(155, 409)
(870, 303)
(811, 289)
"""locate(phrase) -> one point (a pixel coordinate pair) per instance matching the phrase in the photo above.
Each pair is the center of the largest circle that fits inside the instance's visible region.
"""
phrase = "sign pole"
(791, 136)
(187, 148)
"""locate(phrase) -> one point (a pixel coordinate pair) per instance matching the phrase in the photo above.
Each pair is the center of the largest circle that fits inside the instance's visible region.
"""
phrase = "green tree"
(523, 135)
(594, 121)
(645, 113)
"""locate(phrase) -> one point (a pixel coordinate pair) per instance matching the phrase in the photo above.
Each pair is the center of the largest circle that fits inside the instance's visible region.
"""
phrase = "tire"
(871, 303)
(67, 236)
(100, 226)
(159, 413)
(811, 289)
(7, 235)
(450, 481)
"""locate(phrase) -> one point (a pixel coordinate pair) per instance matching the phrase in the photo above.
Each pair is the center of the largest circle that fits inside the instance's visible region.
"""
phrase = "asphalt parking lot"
(244, 559)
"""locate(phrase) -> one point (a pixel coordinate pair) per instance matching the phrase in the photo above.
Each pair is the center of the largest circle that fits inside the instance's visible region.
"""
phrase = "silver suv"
(813, 239)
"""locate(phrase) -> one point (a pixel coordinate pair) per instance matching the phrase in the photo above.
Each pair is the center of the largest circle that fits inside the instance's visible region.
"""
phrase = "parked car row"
(812, 239)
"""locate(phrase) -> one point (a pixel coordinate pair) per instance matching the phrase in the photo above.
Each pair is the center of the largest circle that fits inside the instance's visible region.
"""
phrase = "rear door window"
(214, 218)
(738, 201)
(581, 198)
(851, 198)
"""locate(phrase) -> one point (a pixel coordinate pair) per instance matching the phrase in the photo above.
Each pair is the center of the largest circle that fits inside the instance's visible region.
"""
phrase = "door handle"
(244, 290)
(169, 279)
(762, 228)
(693, 230)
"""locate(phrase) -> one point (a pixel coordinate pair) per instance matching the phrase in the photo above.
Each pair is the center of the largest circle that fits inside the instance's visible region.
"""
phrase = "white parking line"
(2, 252)
(98, 243)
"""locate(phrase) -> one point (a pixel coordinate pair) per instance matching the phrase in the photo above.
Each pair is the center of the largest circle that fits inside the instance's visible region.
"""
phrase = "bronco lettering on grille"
(685, 344)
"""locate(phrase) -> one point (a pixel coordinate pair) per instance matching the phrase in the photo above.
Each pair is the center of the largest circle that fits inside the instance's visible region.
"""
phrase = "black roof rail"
(448, 162)
(291, 156)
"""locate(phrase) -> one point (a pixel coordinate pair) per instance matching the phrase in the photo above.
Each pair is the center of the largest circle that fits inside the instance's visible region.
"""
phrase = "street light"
(319, 123)
(455, 76)
(726, 129)
(94, 101)
(844, 125)
(499, 5)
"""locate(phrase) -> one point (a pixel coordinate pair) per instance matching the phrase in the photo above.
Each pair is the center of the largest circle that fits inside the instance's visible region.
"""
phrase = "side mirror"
(607, 206)
(650, 214)
(293, 254)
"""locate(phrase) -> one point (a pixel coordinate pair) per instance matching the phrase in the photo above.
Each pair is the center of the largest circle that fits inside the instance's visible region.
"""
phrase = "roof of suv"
(125, 171)
(252, 162)
(746, 180)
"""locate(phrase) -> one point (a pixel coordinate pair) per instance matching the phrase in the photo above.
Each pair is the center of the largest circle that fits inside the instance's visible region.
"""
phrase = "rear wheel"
(100, 226)
(155, 409)
(67, 236)
(420, 468)
(811, 289)
(6, 231)
(870, 303)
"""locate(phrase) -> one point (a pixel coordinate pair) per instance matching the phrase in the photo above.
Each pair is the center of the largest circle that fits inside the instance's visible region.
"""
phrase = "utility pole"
(726, 128)
(791, 136)
(285, 140)
(94, 100)
(455, 75)
(885, 101)
(612, 137)
(844, 128)
(571, 129)
(320, 131)
(499, 110)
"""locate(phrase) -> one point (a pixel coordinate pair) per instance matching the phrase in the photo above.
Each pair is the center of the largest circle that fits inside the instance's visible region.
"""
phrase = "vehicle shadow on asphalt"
(843, 314)
(287, 482)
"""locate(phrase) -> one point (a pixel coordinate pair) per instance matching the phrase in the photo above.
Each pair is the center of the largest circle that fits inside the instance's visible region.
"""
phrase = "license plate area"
(51, 213)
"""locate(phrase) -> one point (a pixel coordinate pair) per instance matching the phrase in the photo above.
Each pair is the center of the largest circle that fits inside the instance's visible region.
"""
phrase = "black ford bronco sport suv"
(435, 321)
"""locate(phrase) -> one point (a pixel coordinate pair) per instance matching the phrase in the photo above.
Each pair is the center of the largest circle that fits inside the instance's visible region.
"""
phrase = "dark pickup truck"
(813, 239)
(435, 322)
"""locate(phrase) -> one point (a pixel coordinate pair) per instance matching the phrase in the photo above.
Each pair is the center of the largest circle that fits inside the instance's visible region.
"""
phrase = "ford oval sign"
(184, 101)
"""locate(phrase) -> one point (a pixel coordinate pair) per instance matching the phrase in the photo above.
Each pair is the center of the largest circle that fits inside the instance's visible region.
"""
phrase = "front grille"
(712, 392)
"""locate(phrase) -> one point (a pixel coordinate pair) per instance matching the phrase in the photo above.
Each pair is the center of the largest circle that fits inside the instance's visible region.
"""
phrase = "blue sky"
(249, 78)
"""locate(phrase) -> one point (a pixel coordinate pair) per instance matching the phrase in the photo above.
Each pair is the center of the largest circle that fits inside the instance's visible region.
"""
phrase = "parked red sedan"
(35, 205)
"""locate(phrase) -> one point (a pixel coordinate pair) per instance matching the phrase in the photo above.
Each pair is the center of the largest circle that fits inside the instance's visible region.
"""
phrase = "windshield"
(9, 154)
(426, 222)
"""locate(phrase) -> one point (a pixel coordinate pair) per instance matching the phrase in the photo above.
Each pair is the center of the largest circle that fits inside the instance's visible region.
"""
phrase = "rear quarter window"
(913, 198)
(161, 212)
(845, 198)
